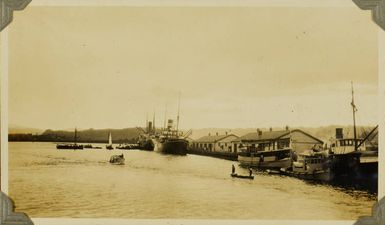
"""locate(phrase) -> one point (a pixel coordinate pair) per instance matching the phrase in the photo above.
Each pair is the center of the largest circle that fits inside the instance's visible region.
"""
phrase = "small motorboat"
(242, 176)
(310, 165)
(117, 159)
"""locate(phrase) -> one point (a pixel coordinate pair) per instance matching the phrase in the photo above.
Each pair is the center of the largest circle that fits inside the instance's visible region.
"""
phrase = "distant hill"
(130, 135)
(127, 135)
(13, 129)
(95, 135)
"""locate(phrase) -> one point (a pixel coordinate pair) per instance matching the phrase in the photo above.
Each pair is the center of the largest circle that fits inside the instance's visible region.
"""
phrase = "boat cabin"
(344, 146)
(310, 161)
(341, 145)
(273, 149)
(170, 132)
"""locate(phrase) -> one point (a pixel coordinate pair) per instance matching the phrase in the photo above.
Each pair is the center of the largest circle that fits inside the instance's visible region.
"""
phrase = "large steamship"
(171, 141)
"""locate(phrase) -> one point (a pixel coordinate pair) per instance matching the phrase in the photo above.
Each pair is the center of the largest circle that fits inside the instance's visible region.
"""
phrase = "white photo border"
(7, 216)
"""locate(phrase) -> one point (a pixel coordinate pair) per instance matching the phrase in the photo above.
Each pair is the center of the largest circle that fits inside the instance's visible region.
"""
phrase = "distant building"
(297, 140)
(215, 143)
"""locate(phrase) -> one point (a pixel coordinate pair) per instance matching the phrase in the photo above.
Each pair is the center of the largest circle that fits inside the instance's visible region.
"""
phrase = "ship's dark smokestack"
(170, 124)
(149, 127)
(339, 133)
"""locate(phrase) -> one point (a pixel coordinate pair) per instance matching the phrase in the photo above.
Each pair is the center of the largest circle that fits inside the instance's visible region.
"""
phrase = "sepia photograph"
(203, 112)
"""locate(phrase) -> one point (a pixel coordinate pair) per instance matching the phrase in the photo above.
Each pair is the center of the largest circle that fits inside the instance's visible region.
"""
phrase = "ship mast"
(165, 117)
(177, 118)
(354, 109)
(153, 122)
(75, 136)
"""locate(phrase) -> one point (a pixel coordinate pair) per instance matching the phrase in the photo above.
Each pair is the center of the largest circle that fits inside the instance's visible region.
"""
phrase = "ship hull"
(320, 175)
(368, 165)
(354, 170)
(354, 165)
(274, 160)
(255, 162)
(146, 145)
(171, 146)
(368, 168)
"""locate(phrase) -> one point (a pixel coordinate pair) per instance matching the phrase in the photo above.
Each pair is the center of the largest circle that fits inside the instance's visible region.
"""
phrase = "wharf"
(222, 155)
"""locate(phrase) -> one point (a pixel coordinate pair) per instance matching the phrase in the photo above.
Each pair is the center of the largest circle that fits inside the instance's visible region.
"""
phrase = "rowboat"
(242, 176)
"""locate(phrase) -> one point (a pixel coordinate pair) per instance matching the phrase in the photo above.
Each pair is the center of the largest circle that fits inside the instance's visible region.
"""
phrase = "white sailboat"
(109, 146)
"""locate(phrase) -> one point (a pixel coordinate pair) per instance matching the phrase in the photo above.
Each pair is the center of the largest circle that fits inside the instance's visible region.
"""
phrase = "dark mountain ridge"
(130, 135)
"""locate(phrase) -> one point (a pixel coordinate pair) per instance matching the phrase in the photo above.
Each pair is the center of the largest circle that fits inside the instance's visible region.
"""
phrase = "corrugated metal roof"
(271, 135)
(266, 135)
(214, 138)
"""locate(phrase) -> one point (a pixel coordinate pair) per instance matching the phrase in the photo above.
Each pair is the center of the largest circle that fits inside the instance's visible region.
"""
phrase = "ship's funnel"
(170, 124)
(149, 127)
(339, 133)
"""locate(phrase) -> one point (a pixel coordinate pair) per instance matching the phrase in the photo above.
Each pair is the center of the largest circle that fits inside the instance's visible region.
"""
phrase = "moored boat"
(73, 146)
(127, 146)
(171, 145)
(69, 146)
(273, 160)
(349, 157)
(145, 143)
(171, 140)
(144, 140)
(310, 165)
(272, 150)
(235, 175)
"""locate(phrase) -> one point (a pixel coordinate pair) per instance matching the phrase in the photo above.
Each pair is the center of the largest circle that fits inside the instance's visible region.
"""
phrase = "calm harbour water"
(45, 182)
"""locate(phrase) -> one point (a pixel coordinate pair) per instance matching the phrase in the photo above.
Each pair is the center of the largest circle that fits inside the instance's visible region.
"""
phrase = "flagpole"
(354, 120)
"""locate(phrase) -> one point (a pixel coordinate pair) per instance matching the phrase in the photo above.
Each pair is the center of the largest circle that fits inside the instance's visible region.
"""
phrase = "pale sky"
(109, 67)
